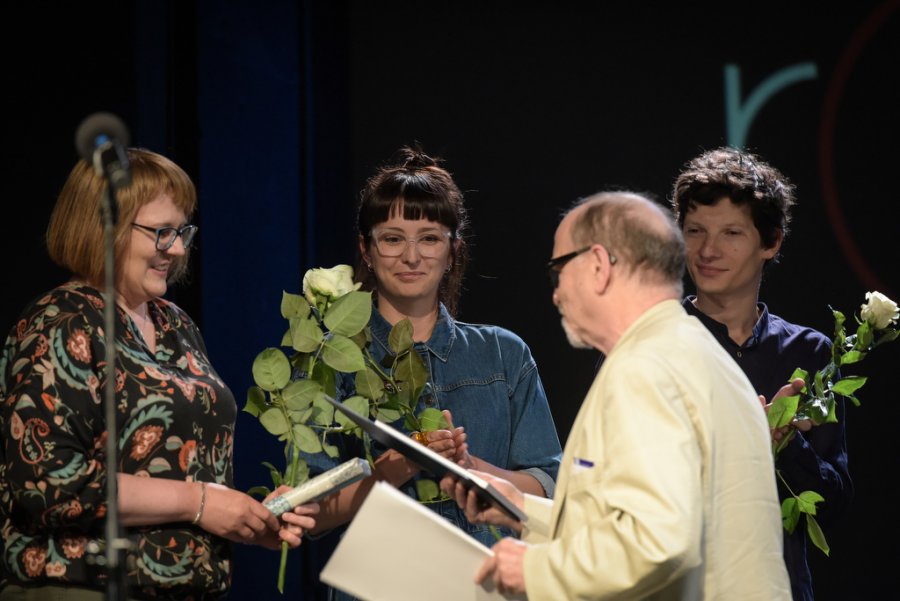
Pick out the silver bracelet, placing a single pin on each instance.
(197, 517)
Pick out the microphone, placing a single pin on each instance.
(101, 140)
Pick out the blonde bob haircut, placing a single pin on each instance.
(75, 232)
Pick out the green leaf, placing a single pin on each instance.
(369, 383)
(816, 535)
(864, 336)
(287, 340)
(807, 501)
(412, 376)
(432, 419)
(300, 363)
(388, 415)
(790, 514)
(271, 370)
(427, 490)
(886, 336)
(849, 385)
(799, 373)
(293, 305)
(325, 376)
(330, 450)
(342, 354)
(300, 394)
(349, 314)
(362, 338)
(256, 401)
(306, 335)
(355, 403)
(262, 491)
(411, 423)
(305, 438)
(323, 413)
(832, 417)
(852, 357)
(782, 411)
(274, 421)
(301, 474)
(400, 338)
(819, 383)
(839, 320)
(274, 474)
(301, 417)
(816, 409)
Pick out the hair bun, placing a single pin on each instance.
(413, 157)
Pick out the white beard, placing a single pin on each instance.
(572, 337)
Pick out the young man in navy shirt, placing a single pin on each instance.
(734, 211)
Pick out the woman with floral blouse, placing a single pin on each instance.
(175, 416)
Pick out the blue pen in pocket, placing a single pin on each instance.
(582, 464)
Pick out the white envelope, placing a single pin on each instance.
(398, 550)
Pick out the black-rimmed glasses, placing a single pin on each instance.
(556, 264)
(166, 236)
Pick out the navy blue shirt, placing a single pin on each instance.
(814, 460)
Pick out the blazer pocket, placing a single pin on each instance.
(583, 477)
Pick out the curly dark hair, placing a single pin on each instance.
(745, 179)
(416, 183)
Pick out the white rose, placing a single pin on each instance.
(879, 310)
(331, 283)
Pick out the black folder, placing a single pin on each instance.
(428, 460)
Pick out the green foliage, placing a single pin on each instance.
(328, 338)
(816, 402)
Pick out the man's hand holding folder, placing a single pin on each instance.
(479, 512)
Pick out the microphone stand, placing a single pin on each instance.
(116, 586)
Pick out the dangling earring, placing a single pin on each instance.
(449, 267)
(369, 265)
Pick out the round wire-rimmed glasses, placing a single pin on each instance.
(393, 244)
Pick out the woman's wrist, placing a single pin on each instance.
(394, 468)
(473, 463)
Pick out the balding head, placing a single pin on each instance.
(617, 255)
(638, 232)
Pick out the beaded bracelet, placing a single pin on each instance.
(197, 517)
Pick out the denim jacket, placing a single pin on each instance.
(485, 375)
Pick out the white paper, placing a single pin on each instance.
(398, 550)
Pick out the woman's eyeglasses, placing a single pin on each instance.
(166, 236)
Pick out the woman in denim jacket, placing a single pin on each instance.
(411, 225)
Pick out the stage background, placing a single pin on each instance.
(280, 110)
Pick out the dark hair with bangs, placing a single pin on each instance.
(415, 184)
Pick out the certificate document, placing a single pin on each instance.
(398, 550)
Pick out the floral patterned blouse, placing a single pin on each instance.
(175, 420)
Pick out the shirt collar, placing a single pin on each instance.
(439, 344)
(721, 330)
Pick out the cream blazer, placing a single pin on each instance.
(667, 486)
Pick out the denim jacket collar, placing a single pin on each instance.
(440, 343)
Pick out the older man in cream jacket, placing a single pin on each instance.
(667, 487)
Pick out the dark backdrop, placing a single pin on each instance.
(280, 110)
